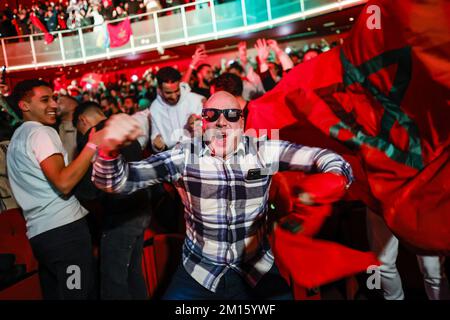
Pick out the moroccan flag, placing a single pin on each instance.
(119, 34)
(384, 100)
(38, 24)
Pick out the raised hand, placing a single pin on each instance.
(120, 130)
(199, 55)
(263, 50)
(159, 143)
(273, 44)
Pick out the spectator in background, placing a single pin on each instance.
(51, 19)
(233, 84)
(67, 132)
(109, 106)
(74, 20)
(129, 105)
(152, 5)
(269, 71)
(295, 57)
(205, 77)
(171, 109)
(310, 54)
(124, 220)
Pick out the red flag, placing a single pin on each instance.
(318, 262)
(384, 95)
(119, 34)
(310, 262)
(38, 24)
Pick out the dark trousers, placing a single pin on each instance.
(66, 264)
(121, 246)
(232, 286)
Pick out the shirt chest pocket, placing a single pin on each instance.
(254, 186)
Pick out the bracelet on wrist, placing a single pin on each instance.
(92, 146)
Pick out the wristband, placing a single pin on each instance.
(92, 146)
(108, 155)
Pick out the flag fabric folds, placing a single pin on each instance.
(119, 34)
(38, 24)
(382, 100)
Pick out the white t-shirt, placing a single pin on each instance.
(44, 207)
(169, 121)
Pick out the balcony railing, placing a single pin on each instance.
(159, 29)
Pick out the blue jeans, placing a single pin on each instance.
(121, 246)
(232, 286)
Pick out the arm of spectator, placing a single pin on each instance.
(263, 53)
(157, 142)
(48, 152)
(198, 56)
(242, 50)
(143, 117)
(286, 62)
(267, 80)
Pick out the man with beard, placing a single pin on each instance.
(205, 76)
(223, 180)
(171, 109)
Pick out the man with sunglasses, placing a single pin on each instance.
(223, 179)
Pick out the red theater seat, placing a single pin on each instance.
(13, 238)
(161, 256)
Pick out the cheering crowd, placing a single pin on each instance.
(90, 167)
(69, 15)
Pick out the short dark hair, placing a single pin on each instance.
(203, 65)
(236, 65)
(230, 83)
(73, 99)
(168, 75)
(110, 100)
(82, 108)
(24, 91)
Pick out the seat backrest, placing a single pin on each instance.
(160, 259)
(13, 238)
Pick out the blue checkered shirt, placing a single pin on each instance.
(225, 209)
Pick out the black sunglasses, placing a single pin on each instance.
(211, 114)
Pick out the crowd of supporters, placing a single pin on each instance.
(72, 14)
(79, 109)
(162, 102)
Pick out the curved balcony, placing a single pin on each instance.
(185, 24)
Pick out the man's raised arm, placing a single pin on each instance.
(112, 174)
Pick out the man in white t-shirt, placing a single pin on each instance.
(42, 182)
(173, 106)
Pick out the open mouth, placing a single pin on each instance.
(220, 138)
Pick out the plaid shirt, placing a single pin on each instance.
(225, 207)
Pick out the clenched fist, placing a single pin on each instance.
(120, 130)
